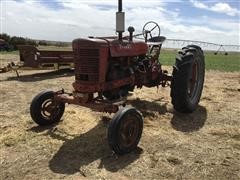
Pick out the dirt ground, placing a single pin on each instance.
(201, 145)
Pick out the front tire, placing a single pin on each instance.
(188, 78)
(44, 110)
(125, 130)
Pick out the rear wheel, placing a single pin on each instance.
(44, 110)
(188, 79)
(125, 130)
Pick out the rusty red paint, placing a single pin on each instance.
(97, 106)
(86, 87)
(193, 79)
(127, 48)
(92, 57)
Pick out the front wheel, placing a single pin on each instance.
(125, 130)
(44, 110)
(188, 78)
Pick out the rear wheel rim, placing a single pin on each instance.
(193, 81)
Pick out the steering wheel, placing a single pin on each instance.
(151, 28)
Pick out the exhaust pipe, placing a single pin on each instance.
(120, 21)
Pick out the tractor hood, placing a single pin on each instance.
(116, 48)
(89, 43)
(127, 48)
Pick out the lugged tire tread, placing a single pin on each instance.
(180, 75)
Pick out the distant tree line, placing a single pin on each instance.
(11, 43)
(14, 41)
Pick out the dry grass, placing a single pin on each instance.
(201, 145)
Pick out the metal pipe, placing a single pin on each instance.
(120, 36)
(120, 10)
(119, 5)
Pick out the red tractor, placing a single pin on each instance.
(108, 68)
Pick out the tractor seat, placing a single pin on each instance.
(157, 39)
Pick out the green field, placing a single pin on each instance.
(221, 62)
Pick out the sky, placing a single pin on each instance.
(216, 21)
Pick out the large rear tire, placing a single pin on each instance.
(44, 110)
(188, 78)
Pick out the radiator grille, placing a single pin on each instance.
(87, 65)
